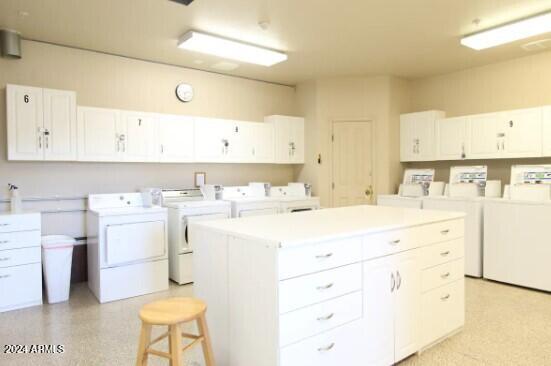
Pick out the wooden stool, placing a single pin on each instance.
(173, 312)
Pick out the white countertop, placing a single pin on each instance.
(327, 224)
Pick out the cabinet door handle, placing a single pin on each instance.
(445, 275)
(445, 297)
(497, 145)
(392, 282)
(503, 145)
(325, 287)
(399, 277)
(326, 317)
(323, 256)
(394, 242)
(443, 254)
(4, 224)
(445, 232)
(4, 259)
(162, 149)
(40, 141)
(4, 242)
(4, 276)
(326, 348)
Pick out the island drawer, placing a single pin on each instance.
(306, 322)
(340, 346)
(442, 275)
(390, 242)
(438, 232)
(16, 257)
(440, 253)
(302, 291)
(300, 260)
(19, 239)
(443, 311)
(19, 222)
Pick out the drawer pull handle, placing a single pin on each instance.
(4, 276)
(322, 256)
(443, 254)
(4, 242)
(326, 348)
(399, 277)
(325, 287)
(394, 242)
(444, 232)
(445, 275)
(4, 259)
(444, 298)
(327, 317)
(4, 224)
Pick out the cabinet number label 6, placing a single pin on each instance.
(26, 98)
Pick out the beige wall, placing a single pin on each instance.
(115, 82)
(520, 83)
(378, 99)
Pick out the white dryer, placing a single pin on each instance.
(127, 246)
(251, 200)
(186, 206)
(295, 197)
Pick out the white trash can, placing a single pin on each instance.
(57, 256)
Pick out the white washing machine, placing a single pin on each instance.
(414, 187)
(186, 206)
(295, 197)
(251, 200)
(127, 246)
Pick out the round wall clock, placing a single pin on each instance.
(184, 92)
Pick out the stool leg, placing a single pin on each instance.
(207, 347)
(175, 340)
(145, 336)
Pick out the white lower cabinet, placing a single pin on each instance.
(391, 307)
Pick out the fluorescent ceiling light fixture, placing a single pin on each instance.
(233, 50)
(509, 33)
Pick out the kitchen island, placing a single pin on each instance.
(362, 285)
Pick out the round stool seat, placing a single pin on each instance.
(172, 311)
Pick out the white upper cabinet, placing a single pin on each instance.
(417, 135)
(98, 134)
(240, 137)
(546, 148)
(60, 124)
(451, 138)
(41, 123)
(175, 138)
(137, 135)
(212, 142)
(522, 129)
(289, 138)
(263, 148)
(485, 136)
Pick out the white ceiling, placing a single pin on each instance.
(408, 38)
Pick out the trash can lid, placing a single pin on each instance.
(57, 241)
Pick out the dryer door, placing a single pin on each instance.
(185, 245)
(135, 242)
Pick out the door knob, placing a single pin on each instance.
(369, 191)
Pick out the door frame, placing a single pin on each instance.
(332, 143)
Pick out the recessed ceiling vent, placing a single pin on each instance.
(539, 45)
(184, 2)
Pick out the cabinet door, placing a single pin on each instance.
(98, 136)
(263, 143)
(296, 140)
(282, 137)
(546, 131)
(379, 296)
(451, 136)
(25, 123)
(137, 134)
(240, 139)
(424, 137)
(407, 143)
(522, 133)
(485, 136)
(407, 311)
(175, 138)
(211, 140)
(60, 125)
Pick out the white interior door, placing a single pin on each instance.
(352, 163)
(25, 123)
(176, 140)
(379, 296)
(98, 134)
(127, 243)
(137, 132)
(60, 125)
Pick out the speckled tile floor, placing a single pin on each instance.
(505, 325)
